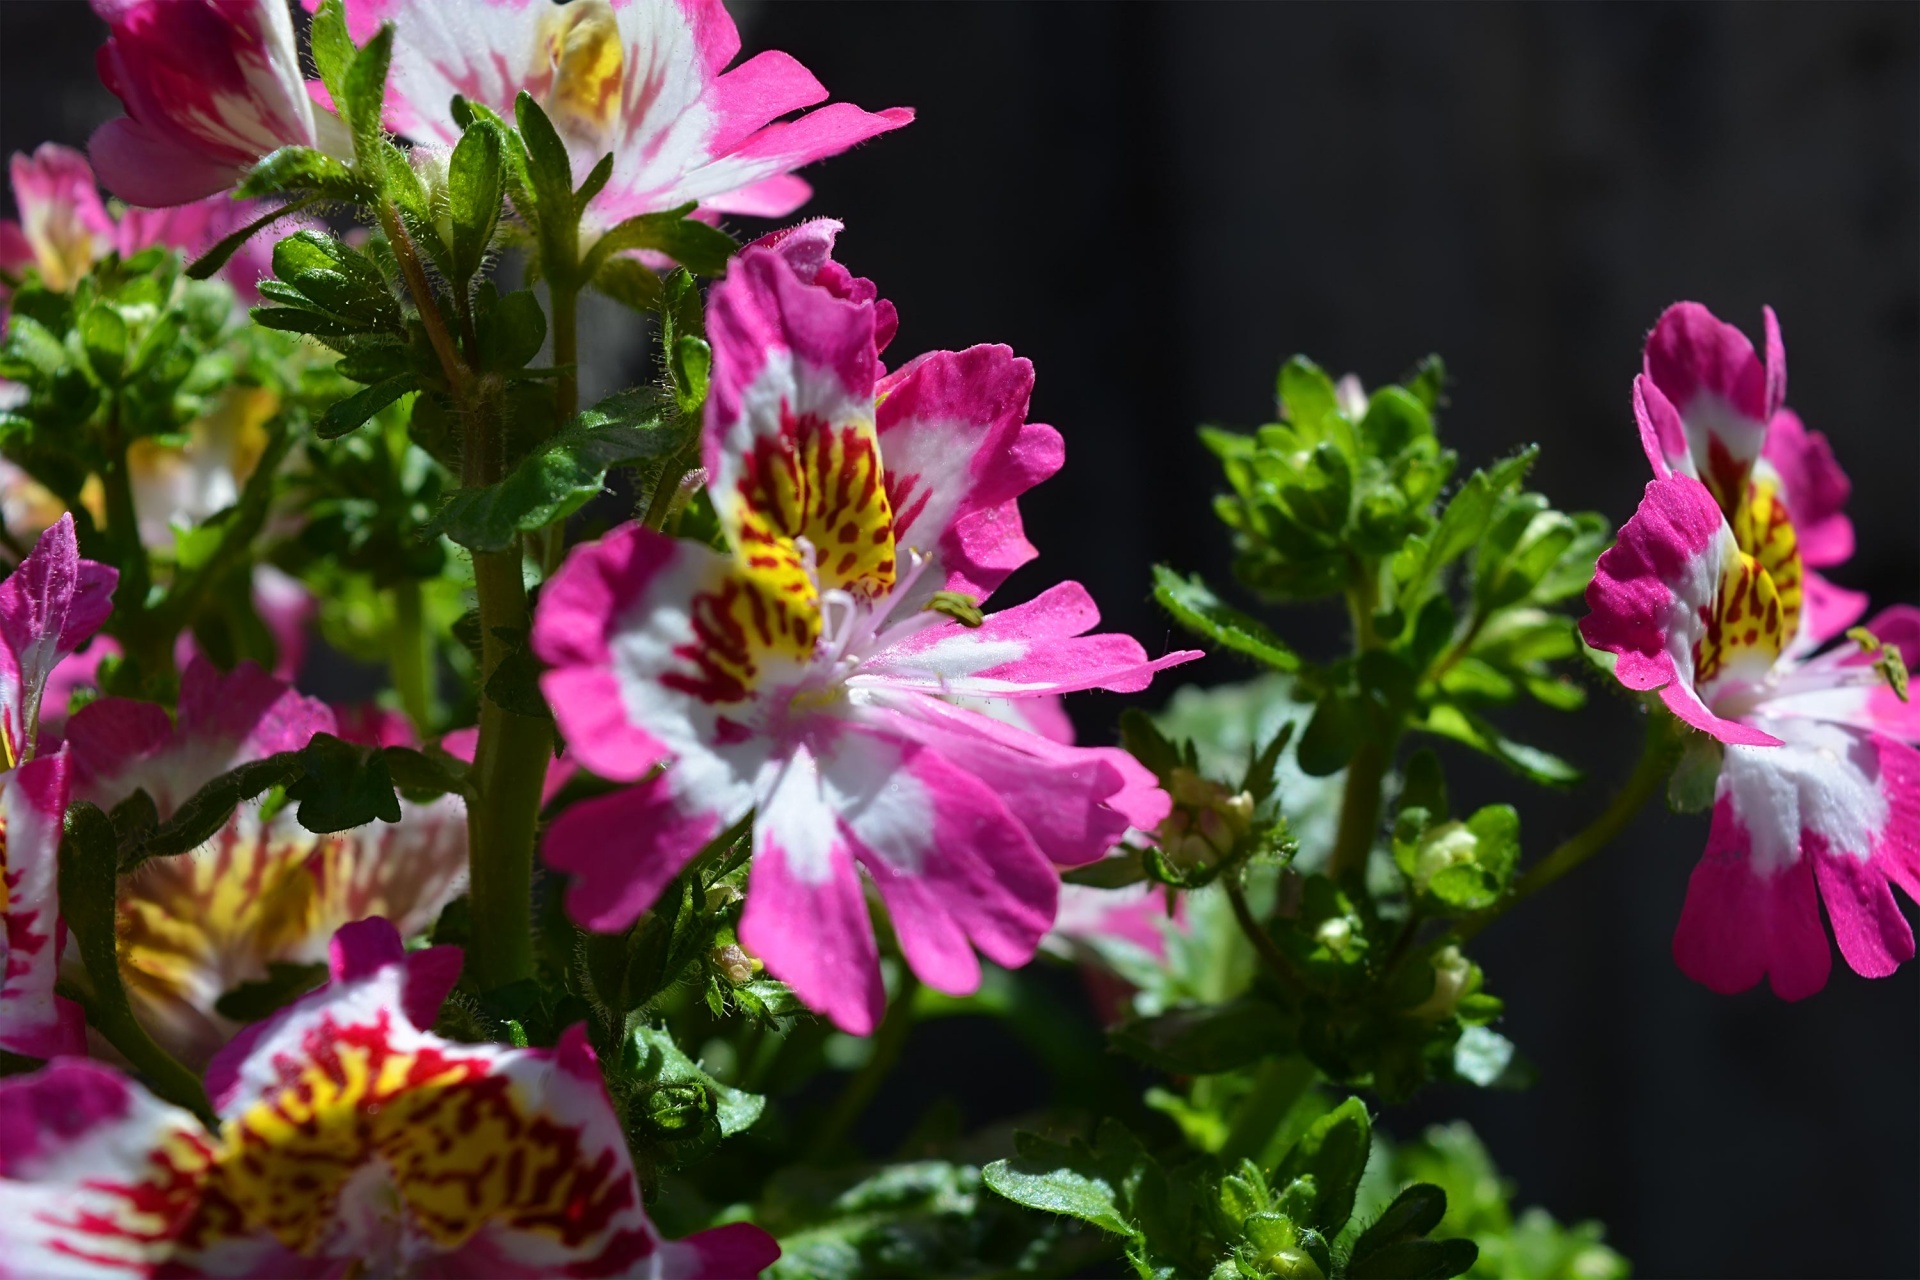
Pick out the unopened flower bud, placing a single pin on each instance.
(1336, 935)
(735, 965)
(1207, 820)
(1452, 972)
(673, 1110)
(1448, 845)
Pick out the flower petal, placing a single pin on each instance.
(953, 866)
(1738, 926)
(1650, 591)
(1817, 489)
(622, 849)
(1708, 371)
(806, 915)
(96, 1173)
(34, 1022)
(959, 452)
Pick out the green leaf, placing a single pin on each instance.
(1307, 395)
(1203, 1039)
(511, 331)
(332, 47)
(514, 685)
(305, 172)
(1338, 727)
(1414, 1213)
(1395, 419)
(364, 94)
(557, 480)
(595, 183)
(701, 249)
(692, 363)
(342, 785)
(203, 267)
(1044, 1176)
(424, 774)
(1333, 1152)
(1450, 721)
(654, 1058)
(1195, 607)
(629, 282)
(199, 818)
(474, 187)
(549, 171)
(1116, 872)
(1417, 1260)
(349, 414)
(103, 333)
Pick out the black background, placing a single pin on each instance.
(1158, 204)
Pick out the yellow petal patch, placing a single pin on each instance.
(589, 66)
(1745, 625)
(812, 508)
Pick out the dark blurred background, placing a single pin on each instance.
(1159, 204)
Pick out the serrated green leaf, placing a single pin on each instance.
(475, 183)
(342, 785)
(1204, 1039)
(557, 480)
(103, 334)
(1194, 606)
(363, 95)
(512, 331)
(1450, 721)
(332, 47)
(1042, 1180)
(349, 414)
(1333, 1152)
(695, 245)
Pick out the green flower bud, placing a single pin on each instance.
(1452, 973)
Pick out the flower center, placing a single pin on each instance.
(1755, 612)
(589, 65)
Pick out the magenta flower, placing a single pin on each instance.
(1818, 796)
(209, 86)
(1709, 408)
(262, 892)
(646, 80)
(354, 1141)
(49, 606)
(64, 228)
(805, 678)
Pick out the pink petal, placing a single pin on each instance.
(622, 849)
(143, 167)
(34, 1021)
(806, 915)
(1736, 926)
(755, 93)
(736, 1250)
(1873, 935)
(1816, 489)
(1659, 574)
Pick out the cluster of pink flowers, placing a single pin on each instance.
(1710, 597)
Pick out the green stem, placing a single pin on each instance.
(1644, 783)
(887, 1043)
(423, 297)
(411, 659)
(666, 488)
(163, 1073)
(1359, 812)
(565, 301)
(1270, 955)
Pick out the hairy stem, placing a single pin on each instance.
(887, 1043)
(423, 299)
(1270, 955)
(565, 301)
(1656, 756)
(169, 1079)
(411, 660)
(1359, 812)
(509, 768)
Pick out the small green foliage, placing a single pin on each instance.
(1195, 607)
(677, 1113)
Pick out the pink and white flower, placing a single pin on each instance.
(806, 678)
(209, 87)
(65, 228)
(1818, 796)
(646, 80)
(353, 1140)
(49, 606)
(1710, 408)
(262, 892)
